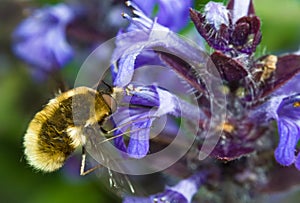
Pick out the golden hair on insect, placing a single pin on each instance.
(57, 130)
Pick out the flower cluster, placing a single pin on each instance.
(257, 90)
(239, 97)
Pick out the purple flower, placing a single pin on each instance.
(283, 106)
(288, 121)
(149, 35)
(171, 13)
(277, 99)
(132, 49)
(183, 192)
(40, 39)
(153, 102)
(232, 29)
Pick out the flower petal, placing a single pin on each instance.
(289, 136)
(169, 196)
(128, 48)
(144, 95)
(171, 13)
(138, 146)
(240, 8)
(132, 199)
(189, 187)
(183, 192)
(290, 108)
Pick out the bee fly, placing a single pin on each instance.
(58, 129)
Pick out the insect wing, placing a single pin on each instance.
(105, 154)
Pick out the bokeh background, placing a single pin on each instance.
(21, 97)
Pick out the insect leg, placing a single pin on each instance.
(84, 172)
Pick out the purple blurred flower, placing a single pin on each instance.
(172, 13)
(183, 192)
(40, 40)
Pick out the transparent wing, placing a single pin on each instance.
(105, 154)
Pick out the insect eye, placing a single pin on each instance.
(110, 101)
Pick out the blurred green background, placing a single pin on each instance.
(21, 97)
